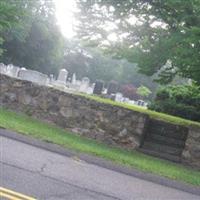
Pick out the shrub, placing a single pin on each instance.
(181, 100)
(129, 91)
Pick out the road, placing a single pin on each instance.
(50, 176)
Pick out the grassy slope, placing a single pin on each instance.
(152, 114)
(44, 131)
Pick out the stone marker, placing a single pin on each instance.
(34, 76)
(12, 70)
(84, 84)
(62, 77)
(112, 87)
(3, 68)
(74, 79)
(119, 97)
(140, 103)
(98, 87)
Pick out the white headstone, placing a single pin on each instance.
(84, 84)
(62, 77)
(33, 76)
(119, 97)
(74, 79)
(51, 79)
(12, 70)
(3, 68)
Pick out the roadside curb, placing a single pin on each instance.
(100, 162)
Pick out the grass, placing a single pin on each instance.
(152, 114)
(46, 132)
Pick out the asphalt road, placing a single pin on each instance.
(50, 176)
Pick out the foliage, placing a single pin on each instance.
(149, 33)
(129, 91)
(46, 132)
(9, 17)
(35, 41)
(90, 62)
(144, 91)
(182, 101)
(32, 39)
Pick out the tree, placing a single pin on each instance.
(149, 32)
(91, 62)
(37, 43)
(143, 91)
(10, 13)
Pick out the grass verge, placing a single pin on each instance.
(151, 113)
(43, 131)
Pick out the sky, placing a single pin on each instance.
(65, 18)
(64, 14)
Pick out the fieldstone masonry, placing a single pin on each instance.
(191, 152)
(109, 124)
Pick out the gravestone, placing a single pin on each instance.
(3, 68)
(140, 103)
(34, 76)
(74, 79)
(112, 87)
(12, 70)
(98, 87)
(84, 84)
(51, 79)
(119, 97)
(132, 102)
(89, 90)
(62, 77)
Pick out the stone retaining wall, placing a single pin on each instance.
(109, 124)
(191, 152)
(103, 122)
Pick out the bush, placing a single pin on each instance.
(181, 100)
(130, 92)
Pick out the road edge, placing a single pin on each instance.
(100, 162)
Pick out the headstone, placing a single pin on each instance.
(74, 79)
(12, 70)
(51, 78)
(119, 97)
(126, 100)
(84, 84)
(89, 90)
(62, 77)
(33, 76)
(140, 103)
(3, 68)
(112, 87)
(112, 96)
(132, 102)
(98, 87)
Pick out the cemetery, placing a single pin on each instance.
(69, 84)
(59, 102)
(99, 99)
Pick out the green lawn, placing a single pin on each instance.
(152, 114)
(43, 131)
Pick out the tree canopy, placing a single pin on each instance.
(30, 35)
(91, 62)
(148, 32)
